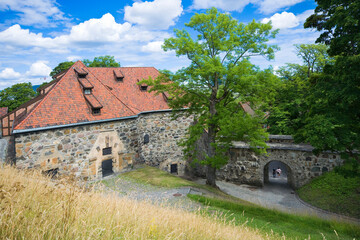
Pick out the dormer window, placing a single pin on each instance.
(80, 72)
(143, 88)
(87, 91)
(96, 111)
(119, 76)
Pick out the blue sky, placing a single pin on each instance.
(36, 35)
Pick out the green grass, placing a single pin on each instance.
(290, 225)
(335, 193)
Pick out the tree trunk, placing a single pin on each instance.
(211, 176)
(210, 171)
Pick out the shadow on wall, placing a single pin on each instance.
(277, 172)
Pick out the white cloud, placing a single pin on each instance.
(39, 69)
(104, 29)
(283, 20)
(9, 73)
(153, 47)
(227, 5)
(40, 13)
(73, 58)
(159, 14)
(16, 36)
(303, 16)
(271, 6)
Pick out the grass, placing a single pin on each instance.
(335, 193)
(281, 224)
(35, 207)
(289, 225)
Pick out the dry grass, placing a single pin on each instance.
(33, 207)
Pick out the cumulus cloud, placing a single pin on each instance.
(39, 13)
(153, 47)
(9, 73)
(39, 69)
(159, 14)
(271, 6)
(227, 5)
(104, 29)
(283, 20)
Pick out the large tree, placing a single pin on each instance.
(102, 61)
(290, 102)
(61, 67)
(12, 97)
(339, 22)
(218, 78)
(332, 121)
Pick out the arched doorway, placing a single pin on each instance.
(271, 175)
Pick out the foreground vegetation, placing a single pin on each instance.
(34, 207)
(244, 213)
(290, 226)
(334, 192)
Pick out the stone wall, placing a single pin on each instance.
(80, 150)
(302, 165)
(163, 135)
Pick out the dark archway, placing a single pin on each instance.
(285, 178)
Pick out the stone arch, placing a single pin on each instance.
(286, 169)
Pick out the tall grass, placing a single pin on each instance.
(34, 207)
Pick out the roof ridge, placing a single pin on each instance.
(107, 89)
(45, 97)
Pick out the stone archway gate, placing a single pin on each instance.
(246, 167)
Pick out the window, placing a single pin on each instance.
(82, 75)
(96, 111)
(119, 79)
(87, 90)
(174, 168)
(107, 151)
(143, 88)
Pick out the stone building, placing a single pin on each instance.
(90, 122)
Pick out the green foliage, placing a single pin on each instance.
(335, 192)
(12, 97)
(102, 61)
(61, 67)
(218, 78)
(339, 22)
(289, 106)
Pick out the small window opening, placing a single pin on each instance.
(174, 168)
(143, 88)
(96, 111)
(107, 151)
(52, 172)
(87, 91)
(80, 75)
(119, 79)
(146, 139)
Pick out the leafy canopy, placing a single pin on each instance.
(219, 77)
(61, 67)
(289, 105)
(102, 61)
(14, 96)
(339, 21)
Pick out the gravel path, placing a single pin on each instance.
(158, 195)
(276, 195)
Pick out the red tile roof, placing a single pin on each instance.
(3, 111)
(66, 103)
